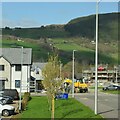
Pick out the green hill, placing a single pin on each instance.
(80, 27)
(51, 31)
(77, 34)
(85, 26)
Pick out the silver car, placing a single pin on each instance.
(111, 87)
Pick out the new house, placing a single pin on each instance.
(36, 76)
(15, 68)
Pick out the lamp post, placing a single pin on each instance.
(21, 79)
(96, 61)
(73, 72)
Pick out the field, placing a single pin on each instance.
(64, 47)
(39, 53)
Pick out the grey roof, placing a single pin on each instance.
(38, 65)
(14, 55)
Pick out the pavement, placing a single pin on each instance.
(108, 106)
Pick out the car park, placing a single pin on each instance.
(111, 87)
(6, 99)
(6, 110)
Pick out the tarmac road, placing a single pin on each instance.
(108, 104)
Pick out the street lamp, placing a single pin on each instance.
(21, 78)
(96, 61)
(73, 72)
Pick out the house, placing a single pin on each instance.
(15, 68)
(36, 76)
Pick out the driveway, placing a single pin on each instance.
(108, 106)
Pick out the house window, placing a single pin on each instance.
(2, 68)
(17, 67)
(17, 83)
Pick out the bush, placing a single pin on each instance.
(26, 98)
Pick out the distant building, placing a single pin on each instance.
(13, 68)
(104, 74)
(36, 76)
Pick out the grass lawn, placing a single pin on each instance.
(100, 87)
(111, 91)
(71, 108)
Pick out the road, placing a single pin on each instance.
(108, 104)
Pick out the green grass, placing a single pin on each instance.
(71, 46)
(111, 91)
(100, 87)
(65, 47)
(39, 53)
(71, 108)
(85, 51)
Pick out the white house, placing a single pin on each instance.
(36, 76)
(15, 68)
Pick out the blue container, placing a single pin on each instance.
(65, 96)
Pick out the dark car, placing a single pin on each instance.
(11, 92)
(6, 99)
(112, 87)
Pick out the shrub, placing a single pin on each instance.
(26, 98)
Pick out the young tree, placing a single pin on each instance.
(52, 81)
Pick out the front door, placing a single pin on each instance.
(2, 84)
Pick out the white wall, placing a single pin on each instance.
(16, 75)
(6, 72)
(37, 76)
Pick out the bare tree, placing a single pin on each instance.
(52, 81)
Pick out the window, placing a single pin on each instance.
(17, 67)
(1, 67)
(17, 83)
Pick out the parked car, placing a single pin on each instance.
(11, 92)
(6, 99)
(111, 87)
(6, 110)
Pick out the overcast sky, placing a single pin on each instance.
(35, 14)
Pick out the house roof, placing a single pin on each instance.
(14, 55)
(38, 65)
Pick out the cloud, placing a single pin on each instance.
(21, 23)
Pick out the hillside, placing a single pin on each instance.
(85, 53)
(80, 27)
(85, 26)
(78, 34)
(51, 31)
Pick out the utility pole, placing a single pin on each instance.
(21, 79)
(73, 72)
(115, 69)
